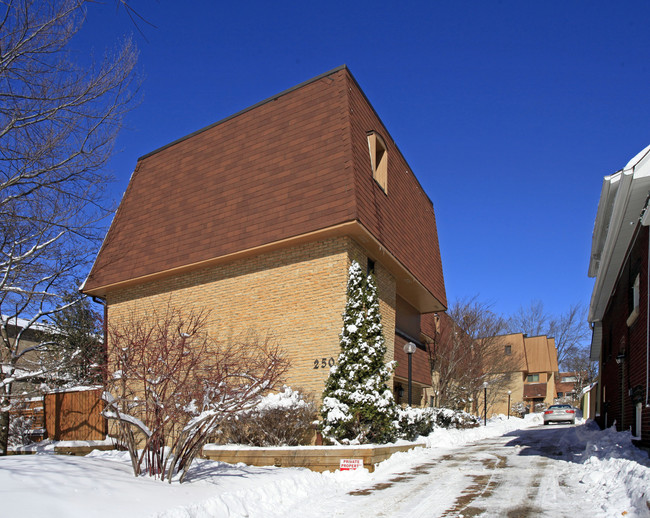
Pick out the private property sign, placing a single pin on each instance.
(350, 464)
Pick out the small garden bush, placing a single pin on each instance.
(280, 419)
(519, 409)
(412, 422)
(459, 419)
(20, 428)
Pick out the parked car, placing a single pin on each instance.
(560, 414)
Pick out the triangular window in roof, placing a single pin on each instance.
(378, 159)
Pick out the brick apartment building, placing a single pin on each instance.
(618, 309)
(257, 218)
(566, 386)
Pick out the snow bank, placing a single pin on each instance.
(265, 499)
(49, 446)
(497, 425)
(614, 469)
(605, 463)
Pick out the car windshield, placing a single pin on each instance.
(559, 406)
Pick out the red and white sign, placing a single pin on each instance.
(350, 464)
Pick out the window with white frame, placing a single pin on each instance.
(638, 417)
(635, 300)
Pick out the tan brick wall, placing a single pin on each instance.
(516, 385)
(500, 405)
(295, 294)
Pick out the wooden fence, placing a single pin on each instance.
(75, 415)
(31, 410)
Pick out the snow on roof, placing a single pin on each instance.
(24, 323)
(637, 158)
(622, 201)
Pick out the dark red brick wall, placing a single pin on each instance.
(403, 220)
(618, 338)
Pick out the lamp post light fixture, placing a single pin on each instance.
(485, 384)
(409, 348)
(509, 392)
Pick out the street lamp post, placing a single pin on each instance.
(409, 348)
(509, 392)
(485, 384)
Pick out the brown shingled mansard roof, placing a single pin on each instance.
(295, 166)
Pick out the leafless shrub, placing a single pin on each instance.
(20, 431)
(283, 419)
(519, 409)
(171, 385)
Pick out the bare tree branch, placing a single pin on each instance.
(468, 353)
(58, 124)
(570, 329)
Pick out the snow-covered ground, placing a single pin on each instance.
(603, 466)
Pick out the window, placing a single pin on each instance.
(370, 267)
(532, 378)
(408, 322)
(508, 350)
(638, 418)
(378, 159)
(635, 301)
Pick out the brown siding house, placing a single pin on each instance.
(533, 381)
(258, 216)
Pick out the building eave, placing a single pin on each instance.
(621, 205)
(408, 286)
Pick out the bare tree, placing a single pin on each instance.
(570, 329)
(468, 353)
(585, 371)
(58, 124)
(170, 385)
(531, 320)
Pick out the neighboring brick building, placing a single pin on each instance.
(257, 218)
(619, 303)
(533, 382)
(566, 387)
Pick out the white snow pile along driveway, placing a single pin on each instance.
(612, 468)
(102, 485)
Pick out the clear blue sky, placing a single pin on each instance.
(509, 113)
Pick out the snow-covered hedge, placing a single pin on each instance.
(279, 419)
(19, 431)
(412, 422)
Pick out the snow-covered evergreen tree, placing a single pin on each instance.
(358, 406)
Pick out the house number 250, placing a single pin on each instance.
(323, 362)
